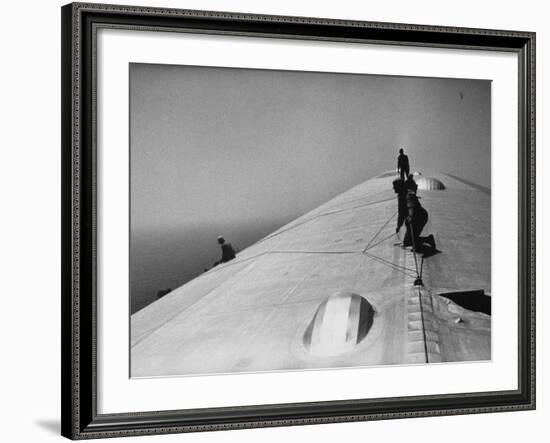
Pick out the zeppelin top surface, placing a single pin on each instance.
(333, 288)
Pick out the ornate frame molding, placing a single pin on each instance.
(79, 391)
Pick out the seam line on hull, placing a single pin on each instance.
(145, 336)
(323, 214)
(236, 262)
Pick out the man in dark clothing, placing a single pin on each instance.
(410, 183)
(400, 189)
(403, 165)
(415, 222)
(228, 253)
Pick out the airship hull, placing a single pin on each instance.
(332, 289)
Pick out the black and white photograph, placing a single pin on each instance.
(242, 221)
(297, 220)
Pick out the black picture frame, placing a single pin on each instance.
(79, 175)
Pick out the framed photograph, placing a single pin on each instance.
(273, 221)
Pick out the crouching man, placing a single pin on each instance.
(228, 253)
(415, 222)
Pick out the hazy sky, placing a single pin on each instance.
(216, 148)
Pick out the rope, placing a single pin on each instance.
(335, 205)
(311, 252)
(323, 214)
(378, 242)
(391, 265)
(379, 231)
(399, 268)
(380, 260)
(418, 275)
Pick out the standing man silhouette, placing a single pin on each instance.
(402, 165)
(400, 188)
